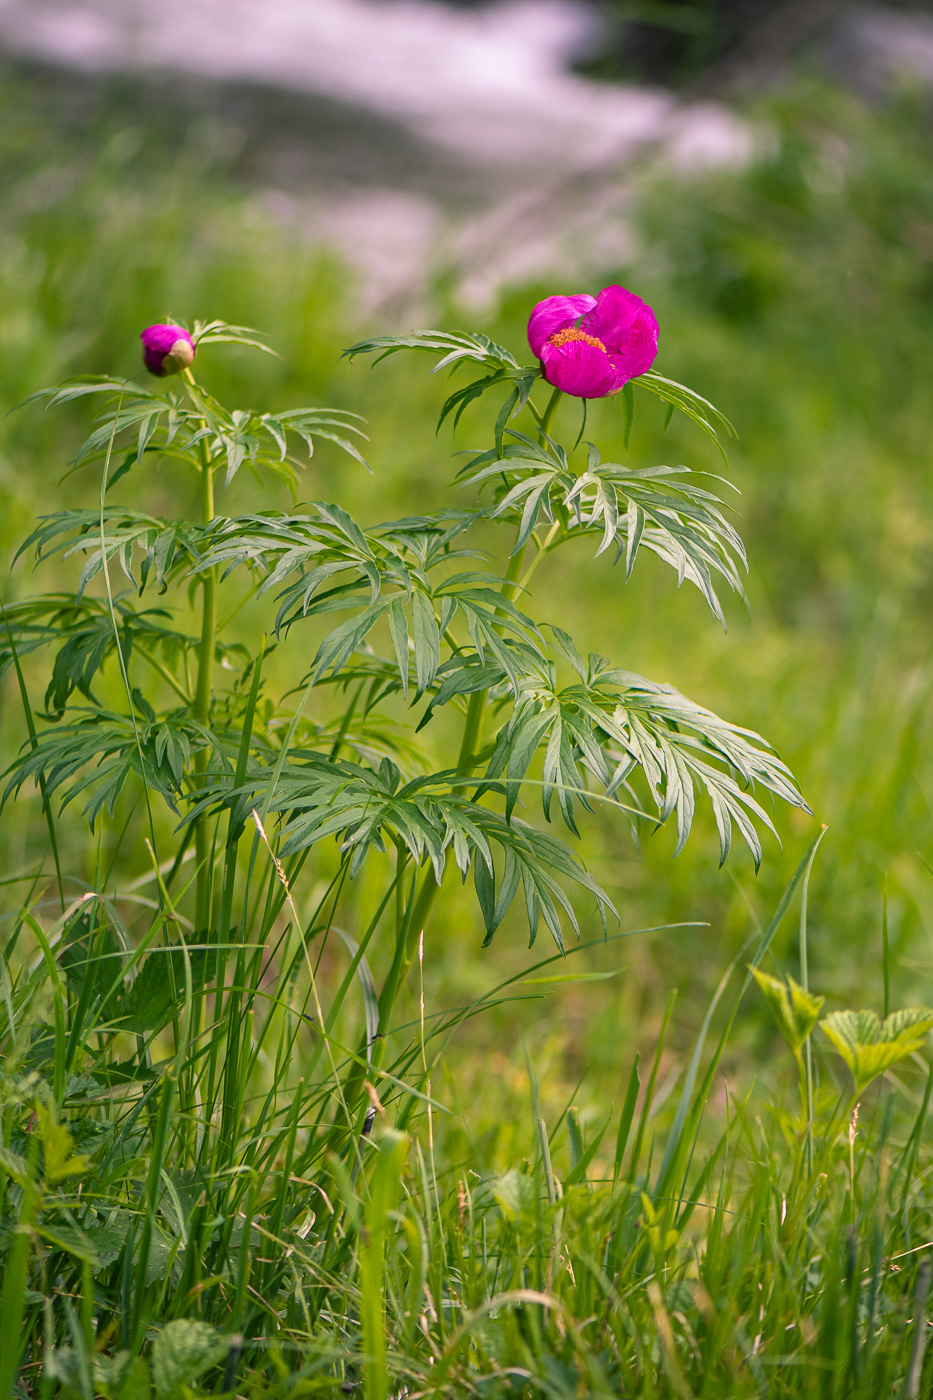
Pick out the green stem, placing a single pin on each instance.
(234, 996)
(472, 732)
(15, 1280)
(419, 907)
(202, 697)
(548, 413)
(805, 983)
(511, 587)
(471, 742)
(543, 549)
(152, 1194)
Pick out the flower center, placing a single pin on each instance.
(571, 333)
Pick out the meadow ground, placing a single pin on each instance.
(611, 1194)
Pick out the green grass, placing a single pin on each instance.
(799, 297)
(656, 1252)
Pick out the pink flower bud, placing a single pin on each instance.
(167, 349)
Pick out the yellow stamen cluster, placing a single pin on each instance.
(571, 333)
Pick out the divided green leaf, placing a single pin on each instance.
(795, 1010)
(869, 1045)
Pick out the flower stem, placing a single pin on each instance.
(476, 710)
(202, 696)
(543, 549)
(548, 413)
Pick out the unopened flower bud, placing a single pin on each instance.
(167, 349)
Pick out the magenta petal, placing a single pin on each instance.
(616, 316)
(162, 337)
(637, 352)
(579, 369)
(158, 344)
(153, 360)
(555, 314)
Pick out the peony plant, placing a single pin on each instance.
(432, 613)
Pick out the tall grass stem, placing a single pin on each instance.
(805, 983)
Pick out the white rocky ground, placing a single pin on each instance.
(523, 162)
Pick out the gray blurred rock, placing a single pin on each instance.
(417, 139)
(876, 49)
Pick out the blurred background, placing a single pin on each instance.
(761, 171)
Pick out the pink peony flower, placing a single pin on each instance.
(167, 349)
(591, 346)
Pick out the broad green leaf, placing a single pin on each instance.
(15, 1166)
(515, 1194)
(869, 1047)
(71, 1238)
(795, 1010)
(122, 1376)
(182, 1351)
(159, 986)
(912, 1021)
(60, 1158)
